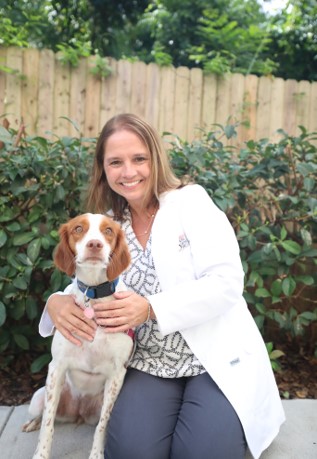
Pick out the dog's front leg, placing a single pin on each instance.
(53, 388)
(111, 392)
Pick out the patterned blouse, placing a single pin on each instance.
(165, 356)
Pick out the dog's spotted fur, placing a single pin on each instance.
(83, 382)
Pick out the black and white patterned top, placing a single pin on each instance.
(165, 356)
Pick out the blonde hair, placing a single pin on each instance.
(101, 198)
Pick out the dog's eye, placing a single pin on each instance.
(78, 229)
(108, 231)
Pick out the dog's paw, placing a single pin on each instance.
(33, 424)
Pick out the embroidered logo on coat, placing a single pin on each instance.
(183, 242)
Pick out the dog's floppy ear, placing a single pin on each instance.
(120, 257)
(64, 258)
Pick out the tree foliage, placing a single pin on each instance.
(294, 41)
(218, 35)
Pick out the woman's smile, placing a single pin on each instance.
(130, 184)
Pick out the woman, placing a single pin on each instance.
(200, 384)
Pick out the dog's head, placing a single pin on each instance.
(92, 241)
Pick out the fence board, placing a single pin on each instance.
(152, 94)
(3, 62)
(276, 112)
(195, 103)
(264, 108)
(139, 83)
(303, 101)
(248, 131)
(123, 89)
(223, 100)
(177, 100)
(236, 103)
(209, 101)
(108, 95)
(13, 99)
(181, 101)
(92, 109)
(29, 105)
(61, 126)
(289, 119)
(167, 94)
(78, 95)
(46, 92)
(312, 124)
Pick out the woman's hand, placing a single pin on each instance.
(69, 319)
(127, 310)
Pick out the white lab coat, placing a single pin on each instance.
(196, 257)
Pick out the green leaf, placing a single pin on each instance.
(3, 237)
(308, 315)
(291, 246)
(276, 354)
(306, 236)
(60, 194)
(230, 131)
(262, 293)
(7, 215)
(18, 310)
(306, 280)
(275, 365)
(260, 308)
(40, 363)
(46, 243)
(56, 280)
(20, 283)
(259, 320)
(3, 313)
(279, 318)
(283, 233)
(21, 341)
(288, 286)
(31, 308)
(309, 184)
(21, 239)
(276, 287)
(33, 249)
(14, 226)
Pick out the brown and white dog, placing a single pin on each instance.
(83, 382)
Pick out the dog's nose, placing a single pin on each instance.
(94, 244)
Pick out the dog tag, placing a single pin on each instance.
(89, 312)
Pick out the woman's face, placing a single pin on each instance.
(127, 164)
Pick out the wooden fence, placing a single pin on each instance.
(35, 86)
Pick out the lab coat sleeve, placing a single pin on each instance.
(216, 284)
(46, 326)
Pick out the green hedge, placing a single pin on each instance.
(268, 191)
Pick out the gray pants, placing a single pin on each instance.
(181, 418)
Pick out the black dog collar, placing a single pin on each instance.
(98, 291)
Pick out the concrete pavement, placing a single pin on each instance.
(297, 438)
